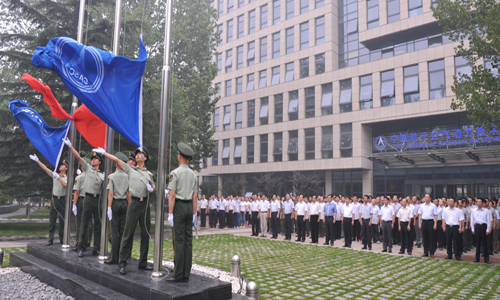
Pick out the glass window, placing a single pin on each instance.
(304, 67)
(215, 156)
(276, 11)
(241, 26)
(365, 92)
(239, 85)
(435, 40)
(326, 99)
(263, 16)
(411, 86)
(462, 67)
(278, 108)
(387, 96)
(415, 8)
(293, 145)
(229, 30)
(264, 111)
(263, 79)
(250, 149)
(346, 140)
(220, 28)
(276, 76)
(320, 63)
(230, 6)
(309, 141)
(263, 148)
(372, 14)
(387, 52)
(304, 6)
(229, 60)
(293, 105)
(263, 49)
(289, 9)
(237, 151)
(289, 40)
(320, 3)
(226, 122)
(320, 30)
(216, 119)
(326, 142)
(250, 82)
(251, 113)
(304, 35)
(437, 82)
(310, 101)
(219, 64)
(239, 57)
(221, 8)
(276, 45)
(238, 121)
(219, 89)
(251, 21)
(392, 11)
(241, 3)
(251, 54)
(289, 72)
(225, 152)
(278, 147)
(345, 99)
(228, 87)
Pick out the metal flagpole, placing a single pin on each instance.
(163, 146)
(74, 105)
(110, 139)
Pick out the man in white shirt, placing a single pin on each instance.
(428, 224)
(338, 219)
(366, 213)
(255, 209)
(356, 227)
(348, 222)
(416, 207)
(315, 208)
(300, 211)
(221, 209)
(264, 207)
(453, 224)
(387, 220)
(213, 206)
(275, 207)
(203, 210)
(405, 217)
(481, 227)
(322, 202)
(288, 208)
(375, 220)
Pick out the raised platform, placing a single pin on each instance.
(74, 276)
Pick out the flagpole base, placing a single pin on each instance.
(157, 275)
(65, 247)
(102, 257)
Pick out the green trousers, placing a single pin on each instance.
(183, 239)
(57, 208)
(138, 211)
(78, 220)
(90, 209)
(119, 210)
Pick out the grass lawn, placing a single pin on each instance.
(31, 217)
(285, 270)
(11, 229)
(7, 254)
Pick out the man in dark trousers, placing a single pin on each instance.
(453, 224)
(428, 223)
(481, 228)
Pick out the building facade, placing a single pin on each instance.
(357, 92)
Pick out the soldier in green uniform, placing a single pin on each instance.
(182, 204)
(91, 203)
(117, 207)
(78, 196)
(58, 203)
(141, 183)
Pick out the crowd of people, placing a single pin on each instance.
(456, 225)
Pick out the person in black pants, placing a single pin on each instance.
(481, 228)
(300, 211)
(255, 223)
(428, 224)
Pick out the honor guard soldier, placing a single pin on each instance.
(78, 196)
(182, 204)
(117, 207)
(140, 185)
(91, 204)
(58, 203)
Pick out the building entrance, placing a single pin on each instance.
(450, 188)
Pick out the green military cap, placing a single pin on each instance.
(144, 150)
(185, 150)
(121, 156)
(64, 162)
(96, 155)
(131, 156)
(86, 159)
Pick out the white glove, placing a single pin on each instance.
(74, 210)
(78, 172)
(110, 213)
(33, 157)
(55, 175)
(67, 141)
(171, 219)
(99, 150)
(194, 219)
(150, 188)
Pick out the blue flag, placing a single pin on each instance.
(46, 139)
(109, 85)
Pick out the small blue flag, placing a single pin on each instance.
(109, 85)
(46, 139)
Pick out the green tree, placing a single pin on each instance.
(234, 186)
(268, 184)
(209, 188)
(304, 183)
(475, 24)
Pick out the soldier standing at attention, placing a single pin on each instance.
(91, 203)
(117, 207)
(58, 203)
(140, 185)
(79, 195)
(182, 205)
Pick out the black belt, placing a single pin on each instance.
(405, 221)
(181, 200)
(141, 199)
(92, 195)
(59, 197)
(387, 221)
(119, 199)
(81, 197)
(453, 225)
(348, 218)
(428, 220)
(479, 224)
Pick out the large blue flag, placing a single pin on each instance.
(46, 139)
(109, 85)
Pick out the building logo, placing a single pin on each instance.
(380, 143)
